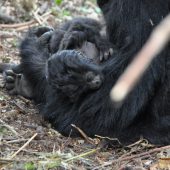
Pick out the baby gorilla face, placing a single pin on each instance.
(71, 72)
(93, 80)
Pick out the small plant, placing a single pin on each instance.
(58, 2)
(30, 166)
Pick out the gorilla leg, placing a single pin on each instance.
(16, 82)
(34, 55)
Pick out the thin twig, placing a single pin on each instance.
(20, 149)
(25, 27)
(132, 157)
(38, 19)
(82, 155)
(83, 134)
(7, 160)
(12, 147)
(17, 25)
(16, 141)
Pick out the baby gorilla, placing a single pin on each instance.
(90, 47)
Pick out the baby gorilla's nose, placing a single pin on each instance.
(96, 82)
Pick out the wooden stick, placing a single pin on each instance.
(83, 134)
(134, 71)
(17, 25)
(20, 149)
(38, 19)
(26, 27)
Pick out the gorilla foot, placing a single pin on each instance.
(10, 79)
(16, 84)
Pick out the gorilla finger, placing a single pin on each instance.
(17, 69)
(111, 51)
(41, 30)
(10, 79)
(10, 73)
(48, 28)
(18, 76)
(69, 42)
(13, 92)
(45, 38)
(106, 55)
(64, 45)
(101, 56)
(9, 86)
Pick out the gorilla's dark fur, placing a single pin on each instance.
(88, 39)
(146, 111)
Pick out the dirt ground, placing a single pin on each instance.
(27, 142)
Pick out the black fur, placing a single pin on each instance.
(82, 34)
(146, 111)
(41, 60)
(74, 33)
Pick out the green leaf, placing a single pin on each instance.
(58, 2)
(30, 166)
(66, 13)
